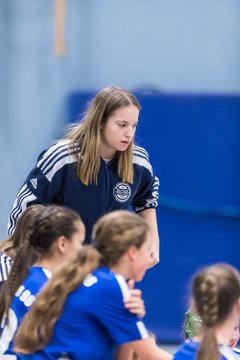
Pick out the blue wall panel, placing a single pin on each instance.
(193, 142)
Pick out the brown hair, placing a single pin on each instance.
(48, 223)
(86, 135)
(11, 245)
(215, 291)
(113, 234)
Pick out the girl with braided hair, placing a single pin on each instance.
(80, 314)
(193, 324)
(216, 303)
(55, 234)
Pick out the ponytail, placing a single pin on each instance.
(36, 329)
(209, 348)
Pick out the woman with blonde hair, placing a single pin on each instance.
(96, 168)
(80, 314)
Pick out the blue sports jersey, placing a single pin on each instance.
(54, 180)
(94, 321)
(237, 352)
(188, 350)
(21, 303)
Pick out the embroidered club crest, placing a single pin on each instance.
(122, 192)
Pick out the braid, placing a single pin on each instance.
(207, 305)
(23, 255)
(26, 256)
(207, 293)
(40, 321)
(215, 290)
(14, 274)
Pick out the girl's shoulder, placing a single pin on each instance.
(140, 151)
(58, 149)
(228, 353)
(237, 352)
(56, 157)
(107, 282)
(186, 350)
(141, 158)
(36, 277)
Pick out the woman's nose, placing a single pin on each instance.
(130, 131)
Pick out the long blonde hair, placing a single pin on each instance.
(215, 291)
(113, 234)
(86, 136)
(40, 320)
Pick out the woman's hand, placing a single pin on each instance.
(135, 303)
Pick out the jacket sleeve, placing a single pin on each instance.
(147, 194)
(42, 183)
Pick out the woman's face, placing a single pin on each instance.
(142, 259)
(118, 131)
(73, 245)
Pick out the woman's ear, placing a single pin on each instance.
(132, 252)
(61, 244)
